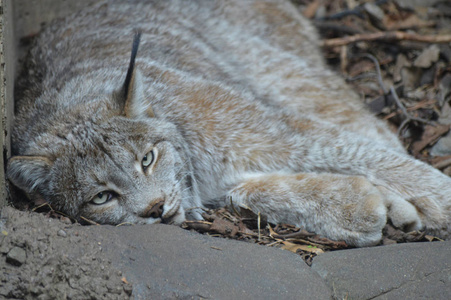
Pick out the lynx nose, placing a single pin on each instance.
(156, 211)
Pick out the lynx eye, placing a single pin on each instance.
(102, 198)
(148, 159)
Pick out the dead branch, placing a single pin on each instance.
(387, 36)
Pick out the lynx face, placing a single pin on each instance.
(110, 177)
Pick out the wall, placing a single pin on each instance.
(7, 72)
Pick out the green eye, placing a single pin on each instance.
(101, 198)
(147, 159)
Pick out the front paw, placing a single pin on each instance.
(401, 213)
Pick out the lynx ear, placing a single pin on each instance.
(136, 105)
(29, 173)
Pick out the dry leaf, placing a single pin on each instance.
(272, 233)
(427, 57)
(430, 135)
(224, 227)
(295, 247)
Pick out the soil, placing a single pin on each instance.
(50, 258)
(46, 258)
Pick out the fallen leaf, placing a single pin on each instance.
(272, 233)
(386, 241)
(410, 77)
(295, 247)
(375, 13)
(430, 135)
(432, 238)
(429, 56)
(401, 62)
(224, 227)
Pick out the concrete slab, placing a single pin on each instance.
(403, 271)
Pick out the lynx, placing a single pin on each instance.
(224, 103)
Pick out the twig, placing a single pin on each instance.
(258, 225)
(378, 70)
(409, 118)
(124, 223)
(387, 36)
(295, 235)
(330, 26)
(274, 243)
(89, 221)
(45, 204)
(417, 106)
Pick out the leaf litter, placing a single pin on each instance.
(247, 226)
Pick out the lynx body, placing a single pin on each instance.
(227, 100)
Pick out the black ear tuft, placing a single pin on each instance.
(131, 66)
(132, 96)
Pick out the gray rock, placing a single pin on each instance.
(16, 256)
(403, 271)
(163, 261)
(62, 233)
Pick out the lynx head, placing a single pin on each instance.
(128, 166)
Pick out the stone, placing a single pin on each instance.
(16, 256)
(402, 271)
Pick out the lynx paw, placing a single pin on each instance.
(339, 207)
(402, 214)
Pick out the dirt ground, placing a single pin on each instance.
(396, 54)
(40, 260)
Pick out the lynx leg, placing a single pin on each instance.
(337, 206)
